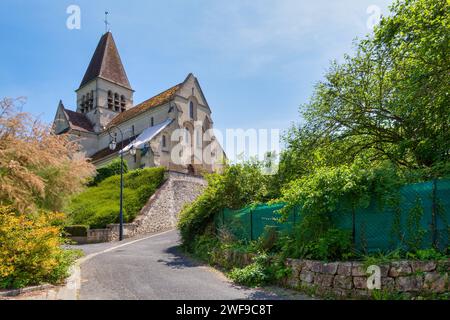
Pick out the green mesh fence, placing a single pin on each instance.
(250, 223)
(419, 220)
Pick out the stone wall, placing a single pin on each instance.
(98, 235)
(349, 279)
(161, 211)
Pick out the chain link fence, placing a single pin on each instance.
(419, 220)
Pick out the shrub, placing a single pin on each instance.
(76, 230)
(38, 169)
(334, 244)
(252, 275)
(98, 206)
(268, 239)
(204, 246)
(265, 269)
(30, 249)
(111, 169)
(426, 254)
(239, 185)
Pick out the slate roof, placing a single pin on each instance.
(106, 63)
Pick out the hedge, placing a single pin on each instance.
(76, 230)
(111, 169)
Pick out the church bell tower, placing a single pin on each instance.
(105, 90)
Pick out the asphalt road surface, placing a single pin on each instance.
(153, 268)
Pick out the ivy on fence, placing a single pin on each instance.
(417, 220)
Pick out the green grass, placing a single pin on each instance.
(98, 206)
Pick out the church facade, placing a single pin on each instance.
(173, 129)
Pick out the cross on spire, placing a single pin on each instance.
(106, 21)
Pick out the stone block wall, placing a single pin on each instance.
(349, 279)
(98, 235)
(94, 236)
(161, 211)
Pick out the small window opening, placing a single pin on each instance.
(191, 110)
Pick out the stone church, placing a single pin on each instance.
(173, 129)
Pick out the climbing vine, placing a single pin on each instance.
(415, 233)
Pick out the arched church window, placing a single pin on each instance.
(191, 110)
(90, 100)
(83, 103)
(164, 142)
(110, 100)
(116, 102)
(152, 122)
(122, 103)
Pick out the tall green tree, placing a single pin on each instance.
(390, 100)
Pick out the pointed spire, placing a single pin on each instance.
(106, 63)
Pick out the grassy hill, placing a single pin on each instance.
(98, 205)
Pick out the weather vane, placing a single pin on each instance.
(106, 21)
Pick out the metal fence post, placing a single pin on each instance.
(433, 215)
(353, 225)
(251, 224)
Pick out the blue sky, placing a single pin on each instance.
(257, 60)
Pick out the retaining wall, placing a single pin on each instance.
(349, 279)
(160, 212)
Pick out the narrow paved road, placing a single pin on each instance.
(153, 268)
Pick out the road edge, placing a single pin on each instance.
(71, 291)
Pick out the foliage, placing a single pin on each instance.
(426, 254)
(269, 239)
(111, 169)
(322, 191)
(30, 249)
(264, 269)
(98, 206)
(381, 258)
(384, 258)
(76, 230)
(415, 233)
(253, 275)
(239, 185)
(389, 101)
(378, 119)
(333, 245)
(330, 189)
(385, 294)
(204, 247)
(37, 168)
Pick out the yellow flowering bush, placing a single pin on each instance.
(30, 249)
